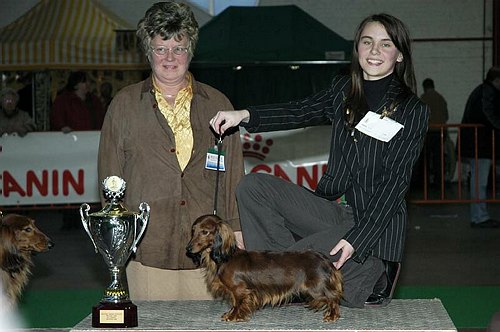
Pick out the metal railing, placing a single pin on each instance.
(453, 188)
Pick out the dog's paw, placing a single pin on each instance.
(230, 316)
(224, 317)
(331, 317)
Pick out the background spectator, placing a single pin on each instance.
(106, 93)
(26, 93)
(439, 115)
(76, 108)
(483, 107)
(13, 119)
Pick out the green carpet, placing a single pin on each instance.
(468, 307)
(57, 308)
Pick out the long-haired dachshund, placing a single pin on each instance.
(19, 239)
(250, 280)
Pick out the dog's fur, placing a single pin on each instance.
(19, 239)
(250, 280)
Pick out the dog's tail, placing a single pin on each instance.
(337, 282)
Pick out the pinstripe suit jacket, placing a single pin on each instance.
(373, 175)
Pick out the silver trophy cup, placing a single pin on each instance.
(115, 233)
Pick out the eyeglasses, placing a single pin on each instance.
(176, 50)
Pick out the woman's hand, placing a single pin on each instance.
(239, 240)
(224, 120)
(347, 251)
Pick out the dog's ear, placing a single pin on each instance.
(216, 252)
(224, 244)
(13, 263)
(12, 260)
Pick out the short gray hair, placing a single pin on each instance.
(168, 19)
(9, 92)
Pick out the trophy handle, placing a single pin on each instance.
(84, 214)
(144, 216)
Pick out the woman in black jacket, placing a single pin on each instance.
(357, 214)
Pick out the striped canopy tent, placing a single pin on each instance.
(67, 34)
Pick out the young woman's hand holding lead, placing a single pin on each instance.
(224, 120)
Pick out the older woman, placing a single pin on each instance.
(12, 119)
(156, 137)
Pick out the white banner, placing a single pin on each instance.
(55, 168)
(299, 155)
(49, 168)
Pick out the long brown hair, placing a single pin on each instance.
(399, 34)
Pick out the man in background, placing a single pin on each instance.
(483, 107)
(438, 116)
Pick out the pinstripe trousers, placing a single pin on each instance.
(280, 216)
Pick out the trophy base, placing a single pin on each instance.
(123, 314)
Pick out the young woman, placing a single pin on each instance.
(378, 129)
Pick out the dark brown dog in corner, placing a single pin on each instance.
(19, 239)
(249, 280)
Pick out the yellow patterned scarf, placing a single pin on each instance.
(178, 119)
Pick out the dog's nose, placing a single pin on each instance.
(50, 245)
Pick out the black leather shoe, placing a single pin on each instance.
(382, 296)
